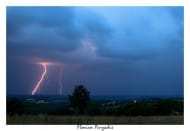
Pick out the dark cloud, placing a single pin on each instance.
(129, 50)
(41, 31)
(57, 30)
(48, 31)
(19, 17)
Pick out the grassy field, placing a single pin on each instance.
(69, 120)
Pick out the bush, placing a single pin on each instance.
(15, 106)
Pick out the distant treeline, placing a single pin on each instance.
(113, 108)
(80, 103)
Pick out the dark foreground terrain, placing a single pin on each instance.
(126, 120)
(57, 110)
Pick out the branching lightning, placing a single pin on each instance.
(41, 79)
(45, 65)
(60, 81)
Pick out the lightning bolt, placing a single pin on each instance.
(60, 81)
(41, 79)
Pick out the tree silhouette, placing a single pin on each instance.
(80, 99)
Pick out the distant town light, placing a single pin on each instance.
(134, 101)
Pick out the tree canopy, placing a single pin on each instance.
(79, 99)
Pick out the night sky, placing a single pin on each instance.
(110, 50)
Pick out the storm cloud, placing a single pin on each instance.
(118, 50)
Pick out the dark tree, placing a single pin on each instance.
(80, 99)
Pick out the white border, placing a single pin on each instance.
(94, 2)
(4, 3)
(2, 65)
(186, 63)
